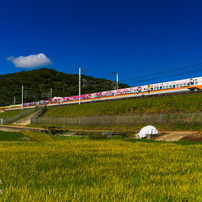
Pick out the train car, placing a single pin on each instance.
(185, 85)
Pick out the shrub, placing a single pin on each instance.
(96, 136)
(37, 136)
(116, 137)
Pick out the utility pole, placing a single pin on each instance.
(80, 84)
(22, 96)
(14, 100)
(51, 91)
(117, 79)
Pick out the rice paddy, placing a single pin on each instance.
(99, 170)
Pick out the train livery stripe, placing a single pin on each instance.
(168, 87)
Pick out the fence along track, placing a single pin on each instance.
(17, 117)
(129, 120)
(27, 112)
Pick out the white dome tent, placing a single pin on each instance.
(147, 130)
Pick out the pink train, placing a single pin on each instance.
(185, 85)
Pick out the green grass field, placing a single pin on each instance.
(99, 170)
(154, 105)
(8, 114)
(10, 136)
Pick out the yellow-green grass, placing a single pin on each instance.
(10, 136)
(100, 170)
(124, 128)
(152, 105)
(8, 114)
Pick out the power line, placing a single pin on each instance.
(188, 72)
(126, 64)
(163, 67)
(164, 72)
(152, 68)
(153, 52)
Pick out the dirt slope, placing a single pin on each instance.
(24, 121)
(174, 135)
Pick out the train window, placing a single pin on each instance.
(170, 86)
(157, 88)
(152, 89)
(181, 85)
(184, 84)
(196, 82)
(173, 86)
(164, 87)
(161, 87)
(177, 85)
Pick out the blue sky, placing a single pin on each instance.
(144, 41)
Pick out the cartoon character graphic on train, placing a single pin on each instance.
(171, 86)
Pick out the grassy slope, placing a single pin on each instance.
(9, 114)
(170, 104)
(107, 170)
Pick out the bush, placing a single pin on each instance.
(126, 134)
(96, 136)
(116, 137)
(37, 136)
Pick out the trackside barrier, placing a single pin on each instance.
(23, 113)
(40, 111)
(128, 120)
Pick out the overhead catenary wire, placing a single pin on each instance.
(140, 61)
(164, 72)
(154, 78)
(153, 69)
(149, 54)
(155, 54)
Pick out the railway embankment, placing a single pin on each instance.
(190, 103)
(168, 113)
(124, 115)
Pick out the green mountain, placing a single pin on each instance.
(37, 85)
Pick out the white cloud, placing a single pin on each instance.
(30, 61)
(10, 58)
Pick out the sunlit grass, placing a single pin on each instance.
(104, 170)
(152, 105)
(8, 114)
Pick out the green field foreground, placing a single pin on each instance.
(152, 105)
(100, 170)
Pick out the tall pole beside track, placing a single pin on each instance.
(22, 96)
(51, 93)
(117, 79)
(79, 85)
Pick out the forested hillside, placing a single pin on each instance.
(37, 85)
